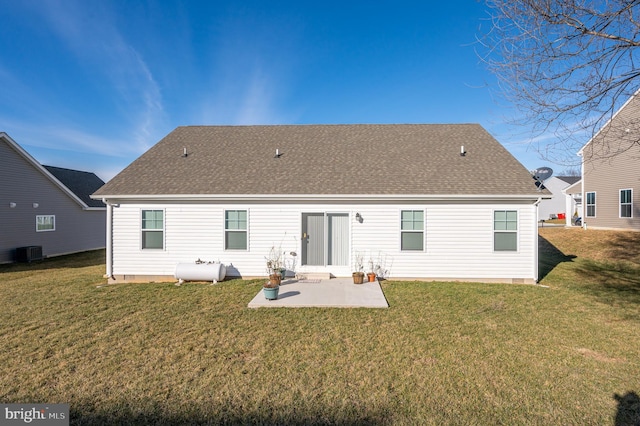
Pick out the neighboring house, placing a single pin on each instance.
(611, 172)
(46, 207)
(445, 202)
(559, 203)
(573, 199)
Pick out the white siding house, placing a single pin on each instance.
(413, 219)
(559, 202)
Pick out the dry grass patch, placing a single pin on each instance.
(443, 353)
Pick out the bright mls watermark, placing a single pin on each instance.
(37, 414)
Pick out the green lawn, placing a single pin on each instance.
(443, 353)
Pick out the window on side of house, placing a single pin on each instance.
(153, 229)
(45, 223)
(626, 195)
(412, 230)
(591, 204)
(235, 230)
(505, 230)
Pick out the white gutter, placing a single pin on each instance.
(320, 197)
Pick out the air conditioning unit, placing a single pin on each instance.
(29, 253)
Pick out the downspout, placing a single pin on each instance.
(109, 259)
(535, 241)
(583, 211)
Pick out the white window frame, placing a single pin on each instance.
(143, 230)
(506, 231)
(630, 203)
(246, 230)
(586, 203)
(416, 231)
(41, 220)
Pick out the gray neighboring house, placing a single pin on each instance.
(610, 183)
(422, 201)
(46, 207)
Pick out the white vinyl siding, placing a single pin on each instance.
(153, 229)
(412, 230)
(458, 239)
(45, 223)
(626, 197)
(591, 204)
(235, 230)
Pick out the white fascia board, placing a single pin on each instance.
(318, 197)
(42, 170)
(571, 187)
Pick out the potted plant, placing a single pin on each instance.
(358, 275)
(274, 265)
(371, 275)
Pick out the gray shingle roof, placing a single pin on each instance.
(82, 184)
(385, 159)
(569, 179)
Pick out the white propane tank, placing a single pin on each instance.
(200, 272)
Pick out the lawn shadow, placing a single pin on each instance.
(228, 415)
(549, 257)
(614, 283)
(624, 247)
(76, 260)
(628, 412)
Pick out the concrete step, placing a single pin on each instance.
(314, 275)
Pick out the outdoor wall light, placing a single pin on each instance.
(359, 217)
(36, 205)
(12, 205)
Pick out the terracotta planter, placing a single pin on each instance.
(358, 277)
(275, 279)
(371, 276)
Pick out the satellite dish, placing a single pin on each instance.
(540, 175)
(543, 173)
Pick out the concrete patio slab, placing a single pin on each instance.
(333, 293)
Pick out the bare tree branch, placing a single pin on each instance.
(567, 65)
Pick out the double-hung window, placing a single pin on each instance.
(505, 230)
(235, 230)
(45, 223)
(153, 229)
(591, 204)
(626, 195)
(412, 230)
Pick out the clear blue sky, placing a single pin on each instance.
(92, 84)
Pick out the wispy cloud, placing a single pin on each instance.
(251, 74)
(70, 139)
(90, 33)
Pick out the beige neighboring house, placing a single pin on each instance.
(422, 201)
(610, 183)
